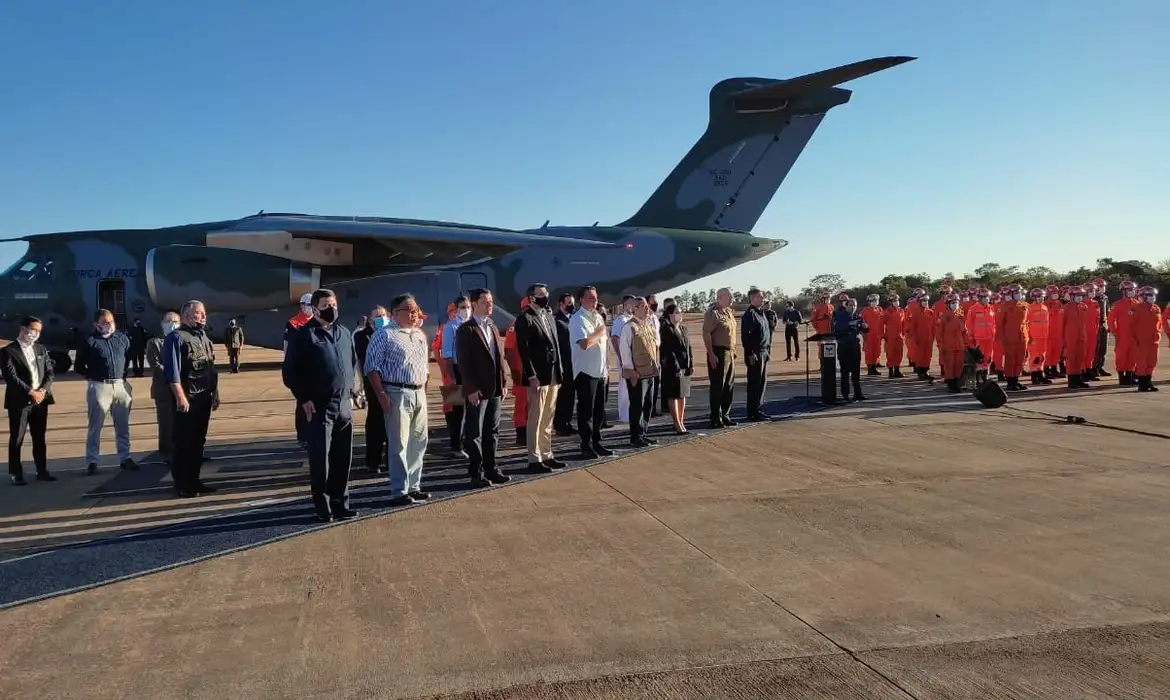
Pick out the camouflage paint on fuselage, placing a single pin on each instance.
(696, 224)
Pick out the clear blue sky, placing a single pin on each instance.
(1030, 133)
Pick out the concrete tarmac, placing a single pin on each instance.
(911, 546)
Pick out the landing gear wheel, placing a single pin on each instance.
(62, 363)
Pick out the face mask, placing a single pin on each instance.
(953, 306)
(924, 301)
(569, 308)
(307, 309)
(381, 321)
(1078, 298)
(654, 307)
(1150, 298)
(895, 303)
(232, 324)
(105, 329)
(30, 336)
(1130, 294)
(463, 314)
(168, 326)
(675, 318)
(873, 304)
(984, 300)
(540, 302)
(328, 314)
(1017, 296)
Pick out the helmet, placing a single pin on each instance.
(918, 291)
(892, 297)
(1052, 288)
(1127, 285)
(945, 289)
(872, 297)
(1099, 283)
(996, 298)
(952, 298)
(1075, 290)
(1037, 293)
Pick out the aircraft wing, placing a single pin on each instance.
(412, 239)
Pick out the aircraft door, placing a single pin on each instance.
(112, 297)
(472, 280)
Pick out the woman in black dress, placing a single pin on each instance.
(677, 366)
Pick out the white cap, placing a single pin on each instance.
(306, 299)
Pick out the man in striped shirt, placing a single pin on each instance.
(397, 366)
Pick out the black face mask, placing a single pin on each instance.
(196, 326)
(328, 314)
(654, 307)
(540, 302)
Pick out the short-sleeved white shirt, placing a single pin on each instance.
(589, 361)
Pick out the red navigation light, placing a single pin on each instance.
(629, 245)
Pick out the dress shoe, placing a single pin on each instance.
(418, 495)
(554, 463)
(129, 465)
(403, 500)
(18, 480)
(323, 517)
(589, 453)
(539, 468)
(602, 451)
(344, 514)
(45, 476)
(90, 469)
(498, 478)
(204, 489)
(480, 483)
(728, 423)
(183, 493)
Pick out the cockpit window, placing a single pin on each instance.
(29, 269)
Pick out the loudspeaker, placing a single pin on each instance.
(991, 395)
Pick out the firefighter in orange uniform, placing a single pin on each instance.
(1039, 327)
(519, 388)
(997, 344)
(872, 316)
(1075, 335)
(966, 300)
(1090, 348)
(891, 330)
(922, 330)
(1055, 349)
(912, 308)
(952, 342)
(822, 320)
(1147, 336)
(1120, 317)
(980, 322)
(939, 306)
(448, 379)
(1011, 328)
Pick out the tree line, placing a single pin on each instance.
(990, 275)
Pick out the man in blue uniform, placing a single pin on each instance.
(319, 369)
(848, 327)
(756, 339)
(189, 369)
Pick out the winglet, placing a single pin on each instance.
(795, 87)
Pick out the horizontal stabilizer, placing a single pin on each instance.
(805, 84)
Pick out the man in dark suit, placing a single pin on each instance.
(481, 368)
(567, 394)
(28, 373)
(540, 361)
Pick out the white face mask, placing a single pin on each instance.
(873, 303)
(169, 326)
(1078, 298)
(953, 306)
(463, 314)
(984, 300)
(105, 329)
(1130, 294)
(1151, 298)
(1017, 296)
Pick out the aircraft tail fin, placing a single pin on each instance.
(758, 127)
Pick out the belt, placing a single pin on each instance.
(401, 385)
(108, 381)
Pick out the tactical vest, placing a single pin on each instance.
(197, 364)
(644, 348)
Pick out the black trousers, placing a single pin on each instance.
(849, 358)
(1102, 347)
(481, 434)
(757, 382)
(655, 390)
(641, 402)
(164, 413)
(455, 417)
(566, 395)
(190, 435)
(234, 359)
(722, 388)
(31, 421)
(590, 409)
(330, 435)
(138, 359)
(375, 429)
(792, 342)
(302, 425)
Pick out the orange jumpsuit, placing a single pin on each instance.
(1038, 325)
(913, 308)
(1147, 336)
(922, 330)
(1011, 329)
(980, 322)
(519, 389)
(997, 344)
(1166, 320)
(1075, 335)
(952, 343)
(963, 306)
(938, 308)
(893, 319)
(872, 316)
(1055, 333)
(822, 322)
(1092, 325)
(1120, 318)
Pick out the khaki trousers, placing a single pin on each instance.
(542, 406)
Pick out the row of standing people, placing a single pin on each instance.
(1056, 333)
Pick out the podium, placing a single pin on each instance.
(828, 355)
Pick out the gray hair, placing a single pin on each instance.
(168, 315)
(189, 307)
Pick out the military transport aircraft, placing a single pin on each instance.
(255, 269)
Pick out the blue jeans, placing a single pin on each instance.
(406, 438)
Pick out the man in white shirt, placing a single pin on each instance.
(589, 344)
(619, 323)
(639, 353)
